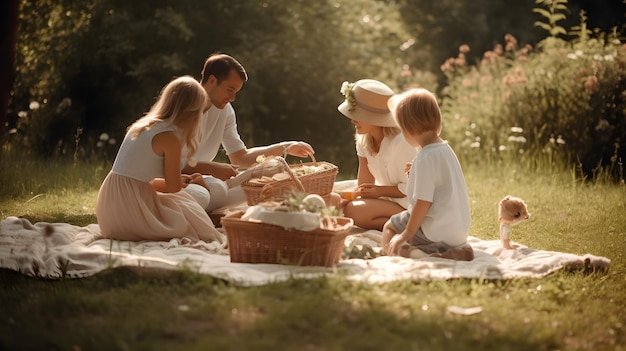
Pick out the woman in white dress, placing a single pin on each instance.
(382, 151)
(141, 198)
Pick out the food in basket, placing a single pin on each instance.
(312, 178)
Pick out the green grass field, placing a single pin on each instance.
(123, 309)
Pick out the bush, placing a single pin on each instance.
(563, 98)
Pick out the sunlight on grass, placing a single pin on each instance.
(183, 310)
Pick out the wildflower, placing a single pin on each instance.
(22, 114)
(608, 57)
(112, 141)
(501, 148)
(104, 136)
(602, 125)
(460, 60)
(572, 56)
(517, 130)
(597, 66)
(591, 84)
(34, 105)
(498, 49)
(475, 145)
(346, 90)
(13, 131)
(407, 44)
(578, 53)
(559, 140)
(509, 38)
(473, 125)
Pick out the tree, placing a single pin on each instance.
(9, 10)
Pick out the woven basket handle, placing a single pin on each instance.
(287, 153)
(268, 187)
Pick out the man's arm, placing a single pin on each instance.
(247, 157)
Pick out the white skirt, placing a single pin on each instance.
(129, 209)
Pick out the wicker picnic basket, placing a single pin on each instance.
(320, 183)
(255, 242)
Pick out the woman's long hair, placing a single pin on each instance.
(180, 103)
(367, 140)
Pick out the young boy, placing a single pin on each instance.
(437, 220)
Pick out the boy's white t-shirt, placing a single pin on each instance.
(436, 177)
(218, 127)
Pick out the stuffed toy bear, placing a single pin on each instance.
(511, 210)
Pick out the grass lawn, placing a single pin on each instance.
(123, 309)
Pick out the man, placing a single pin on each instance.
(222, 78)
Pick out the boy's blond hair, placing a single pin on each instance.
(416, 111)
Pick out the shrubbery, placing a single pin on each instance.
(564, 99)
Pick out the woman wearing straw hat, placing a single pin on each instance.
(382, 151)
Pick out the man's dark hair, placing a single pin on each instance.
(220, 65)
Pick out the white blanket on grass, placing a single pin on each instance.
(61, 250)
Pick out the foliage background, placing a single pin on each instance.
(92, 67)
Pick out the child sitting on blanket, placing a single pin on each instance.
(141, 198)
(437, 220)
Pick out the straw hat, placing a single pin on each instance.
(366, 101)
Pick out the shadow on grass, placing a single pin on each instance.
(121, 308)
(60, 217)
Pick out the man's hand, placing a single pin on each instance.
(300, 149)
(223, 171)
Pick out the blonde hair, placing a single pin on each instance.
(416, 111)
(367, 140)
(180, 103)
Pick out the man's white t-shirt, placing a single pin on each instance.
(218, 127)
(436, 177)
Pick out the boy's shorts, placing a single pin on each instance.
(419, 240)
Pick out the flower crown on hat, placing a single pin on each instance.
(346, 90)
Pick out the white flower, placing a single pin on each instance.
(560, 140)
(517, 130)
(572, 56)
(344, 86)
(501, 147)
(104, 136)
(475, 145)
(34, 105)
(578, 52)
(22, 114)
(112, 141)
(608, 57)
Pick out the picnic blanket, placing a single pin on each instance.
(62, 250)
